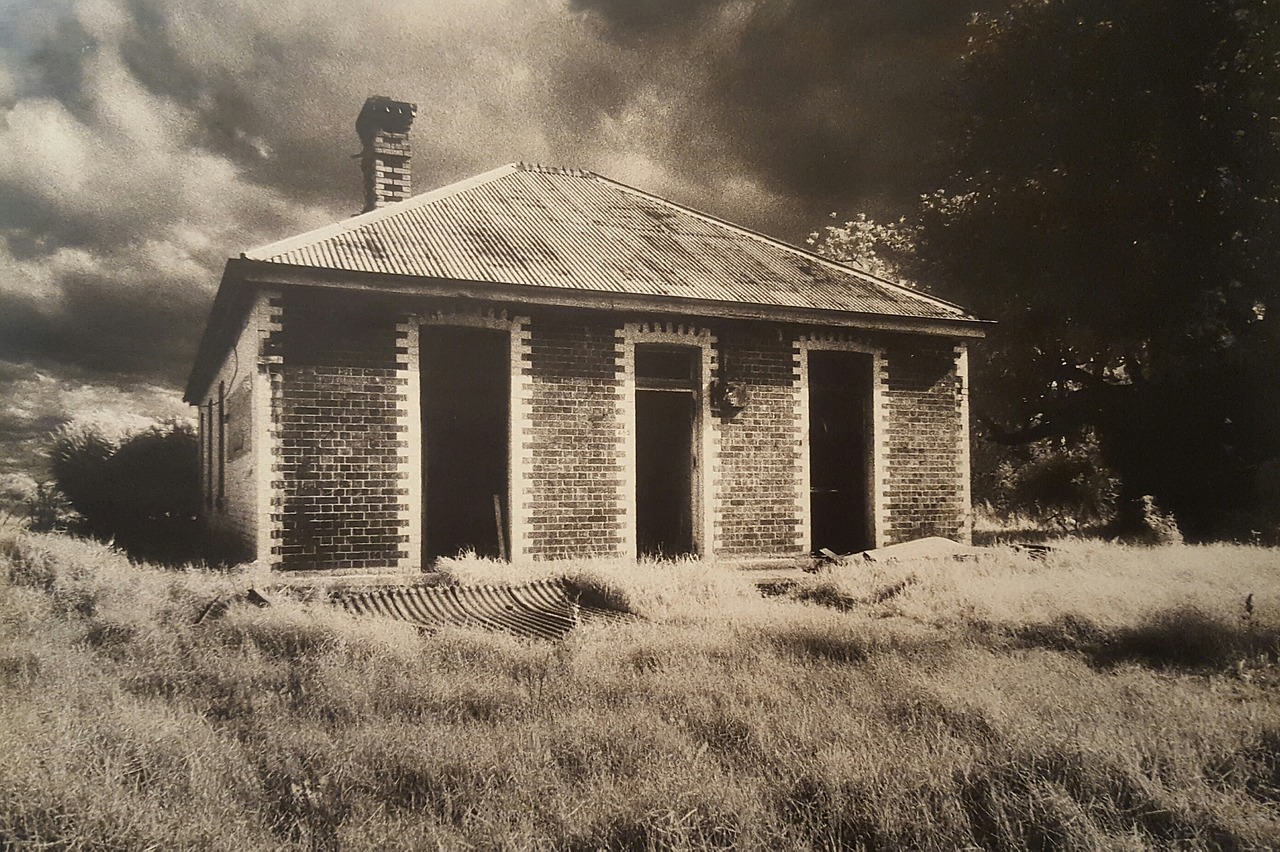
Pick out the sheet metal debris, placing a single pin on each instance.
(932, 547)
(218, 607)
(1035, 551)
(548, 609)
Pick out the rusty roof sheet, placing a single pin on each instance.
(548, 609)
(560, 228)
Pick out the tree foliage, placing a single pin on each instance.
(141, 492)
(1060, 482)
(883, 249)
(1115, 206)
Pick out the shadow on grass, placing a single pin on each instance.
(1040, 534)
(1183, 638)
(830, 595)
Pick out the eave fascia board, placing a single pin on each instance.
(270, 274)
(214, 343)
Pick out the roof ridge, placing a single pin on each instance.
(757, 235)
(539, 168)
(360, 220)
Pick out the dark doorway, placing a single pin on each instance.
(465, 427)
(666, 454)
(840, 443)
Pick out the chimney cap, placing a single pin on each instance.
(383, 113)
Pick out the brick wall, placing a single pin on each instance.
(326, 385)
(340, 447)
(571, 444)
(229, 449)
(757, 475)
(927, 445)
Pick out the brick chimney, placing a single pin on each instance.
(383, 126)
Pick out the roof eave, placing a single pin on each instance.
(812, 256)
(273, 274)
(215, 342)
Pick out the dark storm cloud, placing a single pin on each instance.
(144, 329)
(57, 64)
(143, 142)
(830, 102)
(631, 20)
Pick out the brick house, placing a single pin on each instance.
(541, 363)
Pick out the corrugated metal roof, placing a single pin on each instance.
(546, 227)
(543, 610)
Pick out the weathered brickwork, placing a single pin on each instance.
(311, 436)
(230, 441)
(409, 429)
(266, 411)
(570, 444)
(926, 442)
(342, 490)
(757, 474)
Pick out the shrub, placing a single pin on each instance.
(1142, 521)
(1061, 481)
(142, 492)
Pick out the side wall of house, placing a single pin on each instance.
(232, 417)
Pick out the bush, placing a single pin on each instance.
(1142, 521)
(47, 510)
(142, 492)
(1060, 481)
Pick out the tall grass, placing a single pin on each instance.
(976, 705)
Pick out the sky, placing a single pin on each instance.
(144, 142)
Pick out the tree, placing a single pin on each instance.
(1115, 206)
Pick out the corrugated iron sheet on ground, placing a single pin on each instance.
(547, 609)
(545, 227)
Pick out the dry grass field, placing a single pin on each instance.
(1102, 698)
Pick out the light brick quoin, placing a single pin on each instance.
(409, 426)
(266, 399)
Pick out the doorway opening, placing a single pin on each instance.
(466, 399)
(667, 382)
(840, 451)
